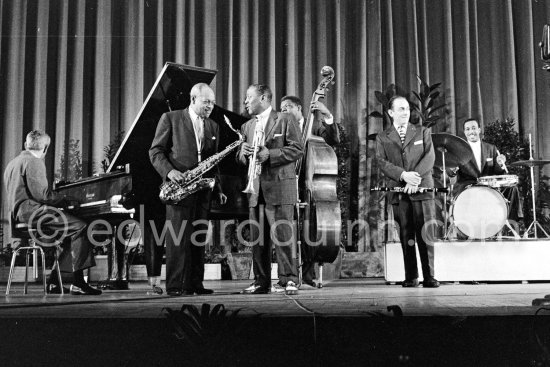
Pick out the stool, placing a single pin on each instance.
(25, 232)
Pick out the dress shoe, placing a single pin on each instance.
(84, 290)
(155, 291)
(430, 283)
(200, 291)
(311, 283)
(410, 283)
(277, 288)
(256, 289)
(291, 288)
(174, 292)
(56, 289)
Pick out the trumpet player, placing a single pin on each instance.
(182, 140)
(271, 148)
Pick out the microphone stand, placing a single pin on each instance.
(535, 222)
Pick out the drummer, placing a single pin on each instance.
(486, 161)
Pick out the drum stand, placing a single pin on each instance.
(444, 177)
(535, 222)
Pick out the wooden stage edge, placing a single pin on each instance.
(348, 322)
(338, 298)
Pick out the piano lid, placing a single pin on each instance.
(170, 92)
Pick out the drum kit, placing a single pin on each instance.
(480, 211)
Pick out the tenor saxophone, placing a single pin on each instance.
(172, 192)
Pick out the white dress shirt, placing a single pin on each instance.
(476, 148)
(198, 127)
(262, 121)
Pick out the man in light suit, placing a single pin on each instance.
(406, 155)
(275, 189)
(182, 140)
(324, 127)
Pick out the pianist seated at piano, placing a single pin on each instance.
(30, 200)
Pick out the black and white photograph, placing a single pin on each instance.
(275, 183)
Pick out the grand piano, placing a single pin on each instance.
(130, 187)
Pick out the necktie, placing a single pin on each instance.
(198, 125)
(402, 131)
(199, 128)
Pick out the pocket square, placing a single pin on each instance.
(489, 159)
(277, 135)
(418, 142)
(213, 138)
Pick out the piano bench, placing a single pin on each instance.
(24, 232)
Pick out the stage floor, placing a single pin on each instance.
(353, 297)
(346, 323)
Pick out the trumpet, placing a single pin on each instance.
(254, 167)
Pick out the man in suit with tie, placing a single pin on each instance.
(271, 205)
(183, 139)
(324, 127)
(486, 161)
(406, 155)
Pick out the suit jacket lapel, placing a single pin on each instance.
(271, 121)
(188, 125)
(393, 135)
(411, 132)
(484, 154)
(207, 133)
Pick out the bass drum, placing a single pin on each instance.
(479, 212)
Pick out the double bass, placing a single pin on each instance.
(317, 172)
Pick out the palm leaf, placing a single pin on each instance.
(434, 86)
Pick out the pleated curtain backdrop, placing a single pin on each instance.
(80, 69)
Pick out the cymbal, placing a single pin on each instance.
(457, 150)
(531, 162)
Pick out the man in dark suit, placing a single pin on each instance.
(31, 201)
(324, 127)
(275, 189)
(486, 161)
(182, 140)
(406, 155)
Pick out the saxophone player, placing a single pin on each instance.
(183, 139)
(273, 191)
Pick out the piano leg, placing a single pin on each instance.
(153, 256)
(117, 266)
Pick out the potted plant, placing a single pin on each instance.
(239, 255)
